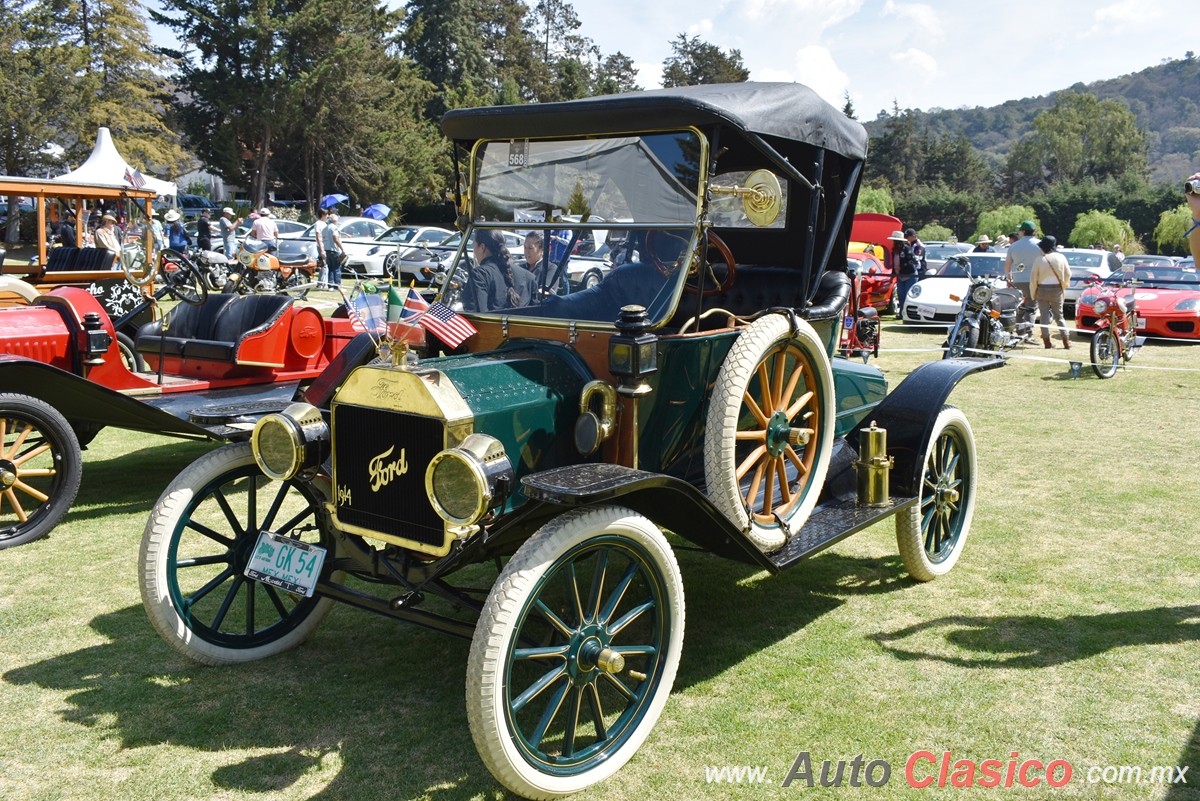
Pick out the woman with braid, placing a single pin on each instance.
(495, 283)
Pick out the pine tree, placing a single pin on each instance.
(694, 61)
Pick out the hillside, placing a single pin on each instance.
(1165, 99)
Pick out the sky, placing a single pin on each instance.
(941, 54)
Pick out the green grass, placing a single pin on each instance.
(1069, 629)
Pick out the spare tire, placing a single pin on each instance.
(770, 430)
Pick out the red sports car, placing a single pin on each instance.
(1167, 301)
(878, 281)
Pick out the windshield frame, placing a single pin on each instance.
(474, 164)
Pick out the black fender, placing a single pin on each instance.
(669, 502)
(87, 404)
(908, 414)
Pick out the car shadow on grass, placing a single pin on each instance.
(1033, 641)
(1190, 761)
(736, 610)
(386, 699)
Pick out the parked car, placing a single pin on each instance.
(358, 235)
(1086, 264)
(383, 259)
(421, 264)
(1167, 300)
(876, 279)
(190, 206)
(1150, 260)
(929, 300)
(689, 391)
(937, 252)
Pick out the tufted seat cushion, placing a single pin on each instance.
(214, 329)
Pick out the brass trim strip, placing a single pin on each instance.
(257, 364)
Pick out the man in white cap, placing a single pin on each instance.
(227, 230)
(265, 230)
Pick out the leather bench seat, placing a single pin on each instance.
(64, 259)
(213, 330)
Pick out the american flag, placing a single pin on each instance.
(447, 325)
(135, 178)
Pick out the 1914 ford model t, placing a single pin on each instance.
(691, 390)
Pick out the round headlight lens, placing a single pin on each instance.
(915, 291)
(276, 443)
(1100, 306)
(981, 294)
(246, 257)
(291, 441)
(456, 488)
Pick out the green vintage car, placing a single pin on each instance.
(692, 390)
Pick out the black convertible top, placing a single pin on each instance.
(787, 110)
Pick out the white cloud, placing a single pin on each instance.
(818, 71)
(1112, 18)
(649, 74)
(703, 26)
(920, 13)
(816, 14)
(770, 74)
(917, 60)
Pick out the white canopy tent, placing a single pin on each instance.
(106, 166)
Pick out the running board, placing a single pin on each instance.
(831, 523)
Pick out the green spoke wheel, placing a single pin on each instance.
(197, 543)
(932, 532)
(575, 654)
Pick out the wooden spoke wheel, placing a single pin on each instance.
(770, 430)
(40, 467)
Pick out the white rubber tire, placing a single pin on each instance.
(154, 564)
(485, 691)
(724, 412)
(910, 536)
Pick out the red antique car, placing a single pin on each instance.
(1167, 300)
(214, 368)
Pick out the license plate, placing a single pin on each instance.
(1139, 322)
(288, 564)
(926, 311)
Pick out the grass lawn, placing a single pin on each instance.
(1070, 629)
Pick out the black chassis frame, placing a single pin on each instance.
(908, 413)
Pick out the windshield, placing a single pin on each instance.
(942, 252)
(1158, 278)
(636, 197)
(397, 235)
(1077, 259)
(981, 265)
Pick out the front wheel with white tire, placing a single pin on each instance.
(198, 541)
(575, 653)
(932, 532)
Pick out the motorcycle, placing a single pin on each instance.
(860, 326)
(213, 266)
(1116, 339)
(987, 320)
(257, 270)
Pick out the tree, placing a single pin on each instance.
(119, 86)
(848, 108)
(577, 202)
(954, 162)
(1003, 221)
(1171, 232)
(695, 62)
(1104, 228)
(1084, 137)
(617, 74)
(937, 204)
(875, 200)
(934, 233)
(38, 71)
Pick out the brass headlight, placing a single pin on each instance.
(463, 483)
(290, 442)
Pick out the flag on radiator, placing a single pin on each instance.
(449, 326)
(404, 304)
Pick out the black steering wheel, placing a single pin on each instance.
(657, 241)
(181, 278)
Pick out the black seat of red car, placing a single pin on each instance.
(214, 329)
(80, 259)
